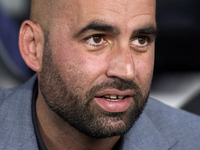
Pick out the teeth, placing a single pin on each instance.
(114, 97)
(107, 96)
(120, 97)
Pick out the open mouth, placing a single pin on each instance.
(118, 102)
(113, 97)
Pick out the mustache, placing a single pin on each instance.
(117, 83)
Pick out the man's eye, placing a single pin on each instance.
(95, 40)
(140, 41)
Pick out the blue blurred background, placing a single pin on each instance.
(176, 79)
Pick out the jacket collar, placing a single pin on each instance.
(144, 135)
(17, 130)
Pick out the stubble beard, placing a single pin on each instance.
(79, 110)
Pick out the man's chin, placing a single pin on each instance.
(109, 125)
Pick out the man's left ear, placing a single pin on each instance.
(31, 44)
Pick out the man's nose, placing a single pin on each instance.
(121, 64)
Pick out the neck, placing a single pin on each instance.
(58, 134)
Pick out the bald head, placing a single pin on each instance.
(39, 10)
(42, 11)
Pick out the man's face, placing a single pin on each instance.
(98, 63)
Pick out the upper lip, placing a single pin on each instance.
(115, 92)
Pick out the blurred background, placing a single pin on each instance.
(13, 70)
(176, 79)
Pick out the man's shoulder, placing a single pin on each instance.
(175, 124)
(161, 127)
(14, 99)
(5, 93)
(17, 91)
(161, 113)
(16, 128)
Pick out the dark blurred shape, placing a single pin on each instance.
(16, 9)
(9, 52)
(178, 42)
(194, 105)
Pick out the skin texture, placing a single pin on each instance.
(81, 51)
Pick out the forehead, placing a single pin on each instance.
(120, 7)
(117, 6)
(75, 13)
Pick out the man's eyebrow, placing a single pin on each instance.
(98, 27)
(146, 30)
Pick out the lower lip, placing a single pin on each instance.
(114, 106)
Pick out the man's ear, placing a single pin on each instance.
(31, 44)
